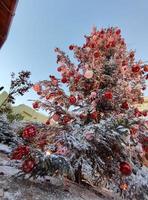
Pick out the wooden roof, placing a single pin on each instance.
(7, 11)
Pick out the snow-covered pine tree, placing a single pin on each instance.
(96, 133)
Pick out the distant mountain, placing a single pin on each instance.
(27, 112)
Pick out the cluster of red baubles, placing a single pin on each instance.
(125, 168)
(19, 152)
(29, 132)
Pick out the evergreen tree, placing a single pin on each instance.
(96, 134)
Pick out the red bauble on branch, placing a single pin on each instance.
(64, 80)
(28, 165)
(72, 100)
(125, 168)
(136, 68)
(19, 152)
(35, 105)
(108, 95)
(29, 132)
(146, 68)
(37, 88)
(125, 105)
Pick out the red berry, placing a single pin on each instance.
(125, 105)
(64, 80)
(72, 100)
(71, 47)
(136, 68)
(108, 95)
(125, 168)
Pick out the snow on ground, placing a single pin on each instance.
(16, 189)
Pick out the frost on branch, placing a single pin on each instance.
(94, 124)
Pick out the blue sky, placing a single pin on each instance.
(38, 28)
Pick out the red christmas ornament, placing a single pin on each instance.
(133, 130)
(66, 119)
(132, 54)
(48, 122)
(118, 31)
(64, 80)
(125, 105)
(137, 113)
(82, 116)
(59, 69)
(108, 95)
(94, 115)
(37, 88)
(144, 113)
(56, 117)
(71, 47)
(19, 152)
(72, 100)
(146, 68)
(35, 105)
(125, 168)
(136, 68)
(28, 165)
(59, 92)
(96, 54)
(29, 132)
(71, 73)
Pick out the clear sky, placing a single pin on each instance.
(41, 25)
